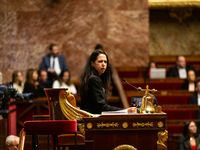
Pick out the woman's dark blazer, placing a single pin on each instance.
(185, 145)
(94, 99)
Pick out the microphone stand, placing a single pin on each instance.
(140, 90)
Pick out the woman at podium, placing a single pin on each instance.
(94, 86)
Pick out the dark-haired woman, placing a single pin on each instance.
(190, 140)
(95, 84)
(31, 84)
(64, 81)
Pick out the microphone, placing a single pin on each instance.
(140, 90)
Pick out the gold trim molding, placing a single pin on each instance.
(101, 125)
(163, 4)
(143, 124)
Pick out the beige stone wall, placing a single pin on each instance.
(28, 27)
(170, 37)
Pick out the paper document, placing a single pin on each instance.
(118, 112)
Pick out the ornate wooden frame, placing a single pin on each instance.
(162, 4)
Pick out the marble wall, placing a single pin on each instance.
(170, 37)
(28, 27)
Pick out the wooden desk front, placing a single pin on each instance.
(109, 131)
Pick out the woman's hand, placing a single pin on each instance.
(131, 110)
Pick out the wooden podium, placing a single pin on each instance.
(109, 131)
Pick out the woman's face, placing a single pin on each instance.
(65, 76)
(191, 76)
(152, 65)
(35, 75)
(192, 127)
(100, 64)
(20, 77)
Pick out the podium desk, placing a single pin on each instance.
(109, 131)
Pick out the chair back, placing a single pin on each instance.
(55, 112)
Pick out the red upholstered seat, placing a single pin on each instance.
(175, 129)
(180, 114)
(157, 86)
(170, 99)
(53, 127)
(50, 126)
(128, 74)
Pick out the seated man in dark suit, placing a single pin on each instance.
(195, 99)
(181, 68)
(53, 63)
(43, 81)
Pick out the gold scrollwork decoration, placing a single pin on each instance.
(125, 125)
(101, 125)
(143, 124)
(162, 138)
(89, 125)
(125, 147)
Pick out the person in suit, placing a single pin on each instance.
(94, 85)
(181, 68)
(53, 63)
(189, 140)
(195, 99)
(189, 83)
(12, 142)
(43, 81)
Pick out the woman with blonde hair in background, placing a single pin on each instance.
(18, 81)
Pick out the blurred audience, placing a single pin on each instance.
(181, 68)
(152, 65)
(64, 81)
(189, 83)
(43, 81)
(31, 84)
(12, 142)
(190, 140)
(18, 81)
(53, 63)
(195, 99)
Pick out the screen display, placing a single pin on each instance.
(136, 101)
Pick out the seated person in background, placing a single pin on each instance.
(99, 47)
(31, 84)
(12, 142)
(64, 81)
(181, 69)
(18, 81)
(53, 63)
(94, 85)
(189, 83)
(43, 81)
(190, 140)
(152, 65)
(195, 99)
